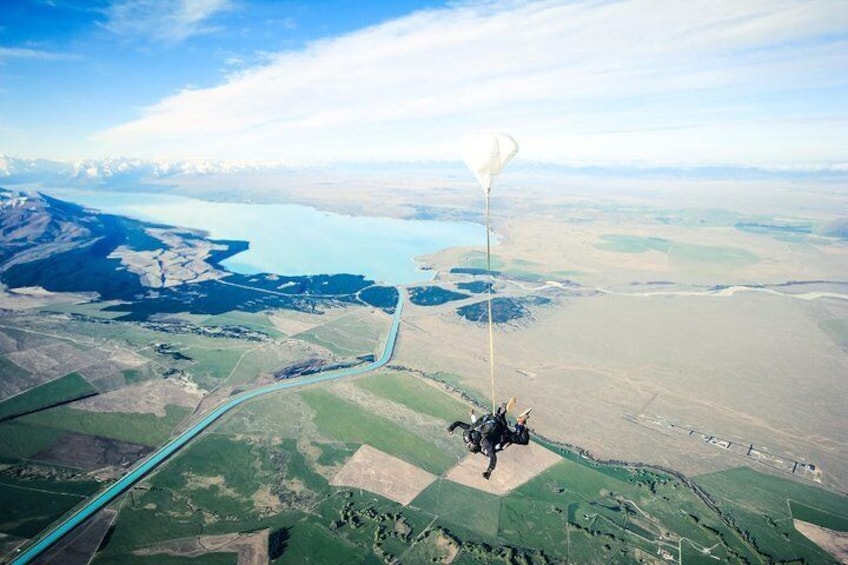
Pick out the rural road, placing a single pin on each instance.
(53, 534)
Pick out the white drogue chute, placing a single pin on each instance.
(486, 154)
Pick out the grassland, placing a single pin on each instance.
(343, 421)
(146, 429)
(66, 388)
(577, 510)
(462, 507)
(355, 334)
(514, 268)
(19, 440)
(10, 370)
(823, 518)
(255, 321)
(416, 394)
(209, 360)
(43, 506)
(678, 251)
(762, 507)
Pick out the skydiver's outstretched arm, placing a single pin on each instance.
(462, 425)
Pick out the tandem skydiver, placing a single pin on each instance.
(491, 433)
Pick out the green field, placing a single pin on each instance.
(516, 268)
(42, 507)
(146, 429)
(65, 388)
(416, 394)
(313, 543)
(462, 506)
(477, 260)
(678, 251)
(268, 464)
(19, 440)
(760, 505)
(255, 321)
(343, 421)
(577, 510)
(823, 518)
(348, 336)
(10, 370)
(35, 498)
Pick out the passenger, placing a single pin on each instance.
(490, 434)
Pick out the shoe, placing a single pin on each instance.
(486, 475)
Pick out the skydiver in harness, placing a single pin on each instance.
(491, 433)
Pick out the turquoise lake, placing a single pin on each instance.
(290, 239)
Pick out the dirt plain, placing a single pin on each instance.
(516, 465)
(379, 472)
(252, 548)
(835, 543)
(149, 397)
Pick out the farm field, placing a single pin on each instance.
(64, 435)
(269, 467)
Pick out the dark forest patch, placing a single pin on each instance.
(503, 309)
(433, 295)
(475, 286)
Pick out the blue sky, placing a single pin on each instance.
(761, 83)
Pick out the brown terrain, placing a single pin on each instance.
(252, 548)
(381, 473)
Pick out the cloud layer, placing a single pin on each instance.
(167, 22)
(757, 82)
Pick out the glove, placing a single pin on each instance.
(487, 474)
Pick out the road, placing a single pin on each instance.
(56, 532)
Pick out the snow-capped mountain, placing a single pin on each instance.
(28, 170)
(107, 168)
(15, 170)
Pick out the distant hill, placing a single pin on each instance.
(125, 173)
(152, 268)
(41, 225)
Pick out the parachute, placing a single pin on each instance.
(486, 154)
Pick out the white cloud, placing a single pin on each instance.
(676, 82)
(167, 21)
(37, 54)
